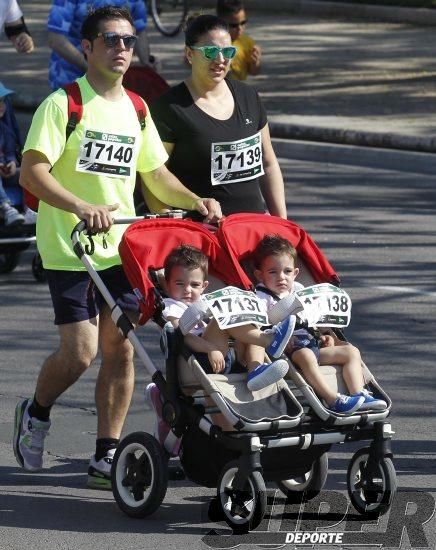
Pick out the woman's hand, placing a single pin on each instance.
(210, 208)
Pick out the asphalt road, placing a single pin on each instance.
(377, 226)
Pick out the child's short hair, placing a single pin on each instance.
(272, 245)
(187, 256)
(229, 7)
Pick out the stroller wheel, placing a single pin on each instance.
(139, 475)
(371, 492)
(8, 261)
(308, 485)
(242, 510)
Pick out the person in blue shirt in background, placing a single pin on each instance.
(64, 24)
(10, 153)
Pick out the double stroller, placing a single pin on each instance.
(280, 434)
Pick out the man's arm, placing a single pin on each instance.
(35, 177)
(170, 191)
(60, 44)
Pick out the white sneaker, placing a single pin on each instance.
(99, 473)
(29, 435)
(30, 216)
(11, 216)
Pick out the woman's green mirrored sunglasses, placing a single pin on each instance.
(211, 52)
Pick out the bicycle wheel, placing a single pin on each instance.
(169, 15)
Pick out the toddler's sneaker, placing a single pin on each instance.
(11, 216)
(282, 334)
(30, 216)
(267, 374)
(371, 403)
(29, 435)
(99, 472)
(162, 432)
(347, 404)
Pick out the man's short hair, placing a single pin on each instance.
(272, 245)
(90, 27)
(187, 256)
(229, 7)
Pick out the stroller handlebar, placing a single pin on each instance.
(89, 249)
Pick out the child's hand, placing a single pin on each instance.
(326, 341)
(256, 54)
(216, 359)
(10, 169)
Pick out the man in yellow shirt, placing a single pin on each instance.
(247, 60)
(91, 176)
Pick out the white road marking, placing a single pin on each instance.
(407, 290)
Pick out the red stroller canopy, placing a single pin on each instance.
(147, 243)
(240, 233)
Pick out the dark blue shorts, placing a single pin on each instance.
(76, 298)
(301, 341)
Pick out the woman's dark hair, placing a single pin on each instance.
(229, 7)
(90, 27)
(198, 25)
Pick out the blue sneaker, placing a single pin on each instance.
(267, 374)
(346, 404)
(282, 334)
(371, 403)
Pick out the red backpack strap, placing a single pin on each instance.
(75, 107)
(139, 105)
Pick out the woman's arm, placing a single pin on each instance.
(271, 183)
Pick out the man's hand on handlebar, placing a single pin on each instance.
(98, 217)
(210, 208)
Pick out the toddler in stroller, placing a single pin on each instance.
(17, 221)
(186, 280)
(280, 433)
(274, 262)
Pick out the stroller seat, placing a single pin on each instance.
(275, 403)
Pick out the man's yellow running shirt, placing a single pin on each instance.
(98, 163)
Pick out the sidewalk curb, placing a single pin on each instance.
(362, 138)
(348, 155)
(417, 16)
(301, 132)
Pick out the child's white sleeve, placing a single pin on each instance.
(173, 309)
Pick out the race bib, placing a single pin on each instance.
(325, 305)
(233, 161)
(105, 154)
(233, 307)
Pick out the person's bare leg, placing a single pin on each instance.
(254, 356)
(305, 359)
(217, 336)
(347, 357)
(115, 381)
(77, 350)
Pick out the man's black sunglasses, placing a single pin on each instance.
(112, 39)
(236, 25)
